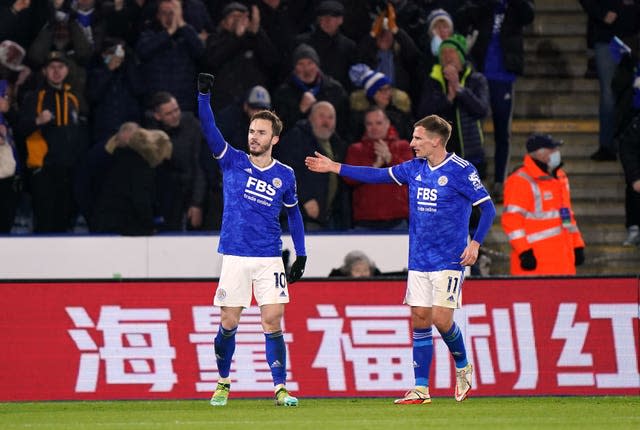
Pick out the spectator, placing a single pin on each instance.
(90, 21)
(336, 51)
(180, 179)
(377, 90)
(306, 85)
(64, 34)
(626, 88)
(13, 77)
(608, 19)
(356, 265)
(389, 50)
(233, 121)
(537, 216)
(125, 205)
(276, 19)
(114, 91)
(498, 54)
(240, 55)
(379, 206)
(440, 27)
(324, 202)
(457, 93)
(20, 20)
(8, 180)
(56, 139)
(170, 51)
(124, 19)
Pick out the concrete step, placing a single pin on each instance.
(575, 167)
(575, 144)
(550, 105)
(558, 24)
(543, 44)
(557, 68)
(527, 85)
(557, 6)
(549, 125)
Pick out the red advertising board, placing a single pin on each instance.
(154, 339)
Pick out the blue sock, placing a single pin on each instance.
(276, 356)
(224, 346)
(455, 342)
(422, 354)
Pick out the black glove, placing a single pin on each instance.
(297, 269)
(528, 260)
(579, 254)
(205, 83)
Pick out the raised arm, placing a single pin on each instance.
(211, 133)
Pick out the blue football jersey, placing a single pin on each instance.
(440, 201)
(253, 199)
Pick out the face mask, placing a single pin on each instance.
(435, 44)
(554, 160)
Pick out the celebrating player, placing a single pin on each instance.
(442, 190)
(255, 187)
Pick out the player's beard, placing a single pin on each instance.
(258, 149)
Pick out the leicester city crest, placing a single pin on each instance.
(442, 181)
(277, 182)
(221, 294)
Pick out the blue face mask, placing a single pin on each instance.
(435, 44)
(554, 160)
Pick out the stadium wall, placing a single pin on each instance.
(152, 339)
(161, 257)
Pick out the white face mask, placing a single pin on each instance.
(435, 44)
(554, 160)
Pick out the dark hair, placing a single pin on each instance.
(160, 98)
(375, 108)
(437, 125)
(276, 123)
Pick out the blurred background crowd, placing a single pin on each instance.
(97, 125)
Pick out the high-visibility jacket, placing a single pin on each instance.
(535, 203)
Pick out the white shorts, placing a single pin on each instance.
(442, 288)
(240, 276)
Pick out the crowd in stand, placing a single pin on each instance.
(97, 101)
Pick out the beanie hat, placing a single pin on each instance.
(362, 76)
(437, 15)
(458, 42)
(305, 51)
(259, 98)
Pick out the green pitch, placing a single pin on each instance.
(581, 413)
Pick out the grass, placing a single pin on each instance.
(581, 413)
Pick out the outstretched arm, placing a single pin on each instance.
(370, 175)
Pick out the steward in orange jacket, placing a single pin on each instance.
(537, 215)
